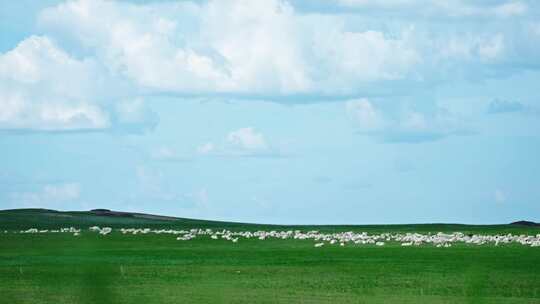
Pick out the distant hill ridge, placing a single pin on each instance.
(525, 223)
(48, 219)
(107, 212)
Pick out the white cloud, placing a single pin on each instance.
(43, 88)
(220, 46)
(365, 114)
(206, 148)
(143, 43)
(119, 51)
(268, 48)
(406, 125)
(247, 139)
(48, 195)
(244, 142)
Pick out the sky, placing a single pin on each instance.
(274, 111)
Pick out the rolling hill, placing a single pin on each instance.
(15, 219)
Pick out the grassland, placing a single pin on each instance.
(61, 268)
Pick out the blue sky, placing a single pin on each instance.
(349, 111)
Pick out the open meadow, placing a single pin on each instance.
(157, 268)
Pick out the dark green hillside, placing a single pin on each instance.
(47, 219)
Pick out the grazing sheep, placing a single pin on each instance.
(440, 240)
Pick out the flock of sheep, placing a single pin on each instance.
(321, 239)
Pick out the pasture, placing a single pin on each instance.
(158, 268)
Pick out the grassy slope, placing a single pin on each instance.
(46, 219)
(158, 269)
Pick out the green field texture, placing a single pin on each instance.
(91, 268)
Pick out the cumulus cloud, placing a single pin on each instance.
(365, 115)
(97, 58)
(244, 142)
(48, 195)
(269, 48)
(170, 50)
(206, 148)
(220, 46)
(247, 139)
(406, 126)
(43, 88)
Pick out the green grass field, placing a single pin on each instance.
(61, 268)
